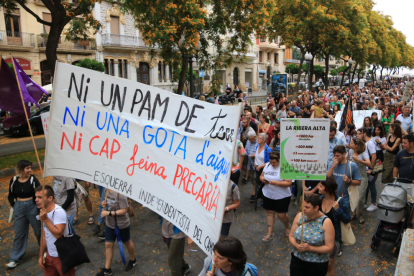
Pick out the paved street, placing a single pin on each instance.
(272, 258)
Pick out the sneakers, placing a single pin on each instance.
(372, 207)
(96, 229)
(252, 198)
(260, 204)
(130, 265)
(185, 272)
(13, 264)
(339, 254)
(102, 236)
(104, 271)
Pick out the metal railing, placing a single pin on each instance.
(64, 44)
(17, 39)
(123, 41)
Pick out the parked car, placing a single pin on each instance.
(35, 122)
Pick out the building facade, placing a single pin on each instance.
(24, 38)
(124, 53)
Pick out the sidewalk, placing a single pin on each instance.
(272, 258)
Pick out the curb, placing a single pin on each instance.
(12, 171)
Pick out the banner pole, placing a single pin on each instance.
(303, 208)
(213, 268)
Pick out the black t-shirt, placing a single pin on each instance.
(22, 190)
(311, 183)
(404, 161)
(237, 92)
(253, 125)
(306, 115)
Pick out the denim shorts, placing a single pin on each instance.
(250, 163)
(110, 235)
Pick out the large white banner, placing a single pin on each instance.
(358, 116)
(171, 153)
(304, 148)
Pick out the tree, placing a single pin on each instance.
(177, 73)
(178, 28)
(319, 71)
(62, 12)
(334, 72)
(292, 69)
(91, 64)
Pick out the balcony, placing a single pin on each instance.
(64, 46)
(13, 39)
(126, 41)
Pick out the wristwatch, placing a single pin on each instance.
(110, 214)
(227, 209)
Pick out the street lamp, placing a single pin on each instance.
(268, 72)
(350, 62)
(308, 58)
(190, 62)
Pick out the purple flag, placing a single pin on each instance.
(31, 92)
(9, 91)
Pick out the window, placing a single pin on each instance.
(268, 55)
(164, 71)
(106, 66)
(171, 72)
(111, 68)
(159, 72)
(331, 58)
(260, 56)
(277, 40)
(262, 39)
(48, 18)
(115, 25)
(125, 71)
(13, 30)
(296, 54)
(120, 68)
(276, 58)
(143, 73)
(320, 59)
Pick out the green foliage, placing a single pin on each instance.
(341, 69)
(319, 71)
(334, 72)
(91, 64)
(177, 73)
(79, 29)
(292, 68)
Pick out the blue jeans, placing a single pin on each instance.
(102, 195)
(71, 228)
(25, 213)
(373, 189)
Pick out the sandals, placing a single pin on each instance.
(268, 238)
(361, 220)
(353, 217)
(76, 222)
(287, 232)
(91, 220)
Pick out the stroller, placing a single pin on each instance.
(394, 213)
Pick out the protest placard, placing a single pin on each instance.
(358, 116)
(406, 94)
(171, 153)
(45, 122)
(304, 148)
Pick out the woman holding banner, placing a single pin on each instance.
(312, 244)
(276, 195)
(391, 148)
(117, 227)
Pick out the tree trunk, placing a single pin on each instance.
(181, 80)
(382, 68)
(310, 76)
(52, 44)
(326, 71)
(374, 75)
(343, 76)
(295, 91)
(353, 73)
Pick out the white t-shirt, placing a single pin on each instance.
(339, 135)
(382, 140)
(259, 157)
(57, 216)
(371, 147)
(274, 191)
(405, 122)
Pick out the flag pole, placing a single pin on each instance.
(27, 118)
(34, 145)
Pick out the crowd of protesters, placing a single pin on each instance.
(353, 154)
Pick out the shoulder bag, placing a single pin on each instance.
(80, 193)
(348, 237)
(71, 251)
(352, 191)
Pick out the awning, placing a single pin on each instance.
(262, 71)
